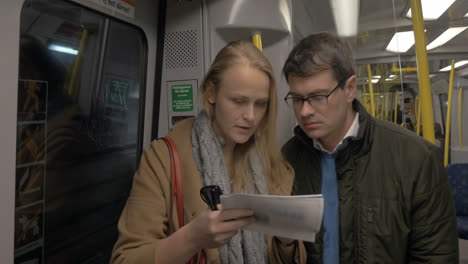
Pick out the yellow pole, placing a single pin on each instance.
(396, 108)
(423, 71)
(382, 107)
(418, 118)
(364, 97)
(76, 64)
(386, 107)
(460, 104)
(371, 90)
(257, 40)
(376, 105)
(449, 114)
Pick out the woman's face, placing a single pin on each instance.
(240, 103)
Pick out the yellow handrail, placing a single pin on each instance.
(423, 71)
(257, 40)
(76, 64)
(371, 90)
(386, 107)
(449, 114)
(409, 69)
(460, 104)
(418, 118)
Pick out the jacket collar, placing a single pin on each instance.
(358, 145)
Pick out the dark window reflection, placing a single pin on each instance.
(79, 100)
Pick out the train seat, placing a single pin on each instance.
(458, 179)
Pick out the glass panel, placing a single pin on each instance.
(79, 99)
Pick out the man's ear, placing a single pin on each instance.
(210, 92)
(350, 88)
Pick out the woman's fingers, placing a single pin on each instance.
(237, 224)
(232, 214)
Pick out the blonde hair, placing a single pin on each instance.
(264, 139)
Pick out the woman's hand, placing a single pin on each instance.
(212, 229)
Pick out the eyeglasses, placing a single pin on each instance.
(297, 102)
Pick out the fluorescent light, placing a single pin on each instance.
(345, 14)
(401, 42)
(392, 76)
(457, 64)
(445, 37)
(375, 80)
(376, 76)
(433, 9)
(466, 15)
(63, 49)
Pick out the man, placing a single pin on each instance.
(386, 192)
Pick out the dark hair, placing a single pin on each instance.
(320, 52)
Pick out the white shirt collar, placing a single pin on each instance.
(352, 132)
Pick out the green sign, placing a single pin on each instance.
(182, 98)
(116, 92)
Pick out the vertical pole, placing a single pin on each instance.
(396, 107)
(418, 116)
(386, 107)
(460, 104)
(257, 40)
(449, 114)
(423, 71)
(371, 90)
(76, 64)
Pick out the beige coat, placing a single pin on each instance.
(144, 220)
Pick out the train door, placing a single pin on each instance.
(77, 110)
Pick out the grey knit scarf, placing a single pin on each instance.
(246, 247)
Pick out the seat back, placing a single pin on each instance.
(458, 179)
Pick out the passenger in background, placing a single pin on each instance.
(232, 143)
(386, 192)
(409, 124)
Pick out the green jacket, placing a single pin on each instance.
(395, 203)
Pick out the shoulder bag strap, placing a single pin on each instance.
(176, 193)
(176, 180)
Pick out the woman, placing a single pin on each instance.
(232, 143)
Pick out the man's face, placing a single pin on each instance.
(328, 118)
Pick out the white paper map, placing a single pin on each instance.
(296, 217)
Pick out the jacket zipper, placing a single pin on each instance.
(356, 214)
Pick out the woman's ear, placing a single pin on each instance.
(210, 92)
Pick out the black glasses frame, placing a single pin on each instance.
(317, 97)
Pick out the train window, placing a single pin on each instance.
(80, 95)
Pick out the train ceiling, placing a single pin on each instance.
(378, 22)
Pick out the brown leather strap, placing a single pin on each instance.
(176, 192)
(176, 180)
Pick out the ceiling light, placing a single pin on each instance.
(345, 14)
(63, 49)
(433, 9)
(458, 64)
(445, 37)
(466, 15)
(376, 76)
(375, 80)
(401, 42)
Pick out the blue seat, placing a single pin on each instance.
(458, 178)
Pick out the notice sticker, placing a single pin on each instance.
(182, 98)
(124, 7)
